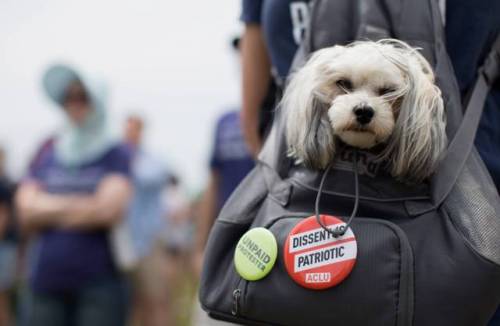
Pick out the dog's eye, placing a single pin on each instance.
(344, 84)
(385, 90)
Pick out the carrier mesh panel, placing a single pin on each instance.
(474, 208)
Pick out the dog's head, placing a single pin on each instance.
(365, 94)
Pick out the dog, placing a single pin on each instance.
(367, 94)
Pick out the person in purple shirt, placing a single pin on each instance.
(77, 189)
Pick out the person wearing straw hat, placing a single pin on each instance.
(76, 191)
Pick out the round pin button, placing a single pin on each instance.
(255, 254)
(314, 258)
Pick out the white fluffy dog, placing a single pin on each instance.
(365, 94)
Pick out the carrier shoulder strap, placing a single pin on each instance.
(462, 143)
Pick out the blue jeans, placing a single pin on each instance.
(98, 304)
(7, 265)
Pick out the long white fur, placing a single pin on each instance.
(318, 111)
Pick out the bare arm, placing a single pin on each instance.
(206, 218)
(4, 218)
(38, 209)
(256, 77)
(103, 209)
(208, 211)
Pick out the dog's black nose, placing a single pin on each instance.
(364, 114)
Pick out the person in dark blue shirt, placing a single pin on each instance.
(230, 160)
(273, 31)
(471, 29)
(77, 189)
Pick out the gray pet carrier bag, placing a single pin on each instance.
(428, 254)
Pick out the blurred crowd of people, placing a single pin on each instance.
(82, 234)
(99, 230)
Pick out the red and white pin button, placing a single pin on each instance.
(314, 258)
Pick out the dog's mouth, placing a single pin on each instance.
(358, 128)
(360, 137)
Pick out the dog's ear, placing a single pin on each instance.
(419, 137)
(305, 102)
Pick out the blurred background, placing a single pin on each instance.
(171, 71)
(170, 61)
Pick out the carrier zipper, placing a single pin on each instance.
(236, 302)
(235, 310)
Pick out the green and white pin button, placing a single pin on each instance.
(255, 254)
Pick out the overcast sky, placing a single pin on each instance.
(170, 60)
